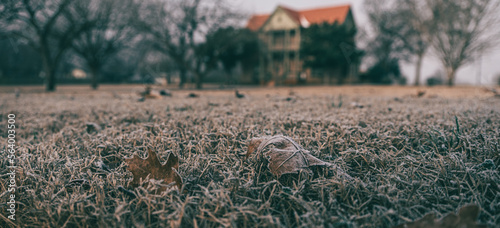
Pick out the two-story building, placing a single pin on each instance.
(280, 39)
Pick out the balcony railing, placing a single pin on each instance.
(281, 40)
(281, 46)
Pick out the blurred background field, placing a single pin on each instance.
(216, 89)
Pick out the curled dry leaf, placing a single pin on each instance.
(151, 166)
(284, 155)
(466, 218)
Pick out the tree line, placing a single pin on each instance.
(195, 35)
(456, 32)
(111, 39)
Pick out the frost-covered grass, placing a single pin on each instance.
(407, 156)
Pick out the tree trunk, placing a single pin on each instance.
(450, 76)
(199, 81)
(51, 80)
(49, 66)
(169, 78)
(340, 75)
(50, 74)
(228, 77)
(182, 77)
(418, 69)
(95, 78)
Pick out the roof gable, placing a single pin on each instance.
(282, 18)
(295, 15)
(304, 17)
(256, 21)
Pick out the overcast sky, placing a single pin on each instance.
(488, 68)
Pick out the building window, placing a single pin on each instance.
(278, 39)
(294, 40)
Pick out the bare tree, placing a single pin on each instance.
(386, 48)
(406, 24)
(179, 26)
(43, 26)
(8, 9)
(463, 31)
(417, 35)
(108, 31)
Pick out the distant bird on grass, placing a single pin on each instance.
(165, 93)
(193, 95)
(421, 93)
(17, 92)
(238, 94)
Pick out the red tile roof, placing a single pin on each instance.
(256, 21)
(330, 14)
(312, 16)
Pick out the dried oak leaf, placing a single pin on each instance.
(148, 93)
(466, 218)
(151, 166)
(284, 155)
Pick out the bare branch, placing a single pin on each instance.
(463, 31)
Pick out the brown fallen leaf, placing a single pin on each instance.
(284, 155)
(466, 218)
(421, 93)
(152, 96)
(151, 166)
(149, 94)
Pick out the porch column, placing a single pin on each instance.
(286, 55)
(270, 47)
(298, 39)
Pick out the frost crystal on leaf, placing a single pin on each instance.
(284, 155)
